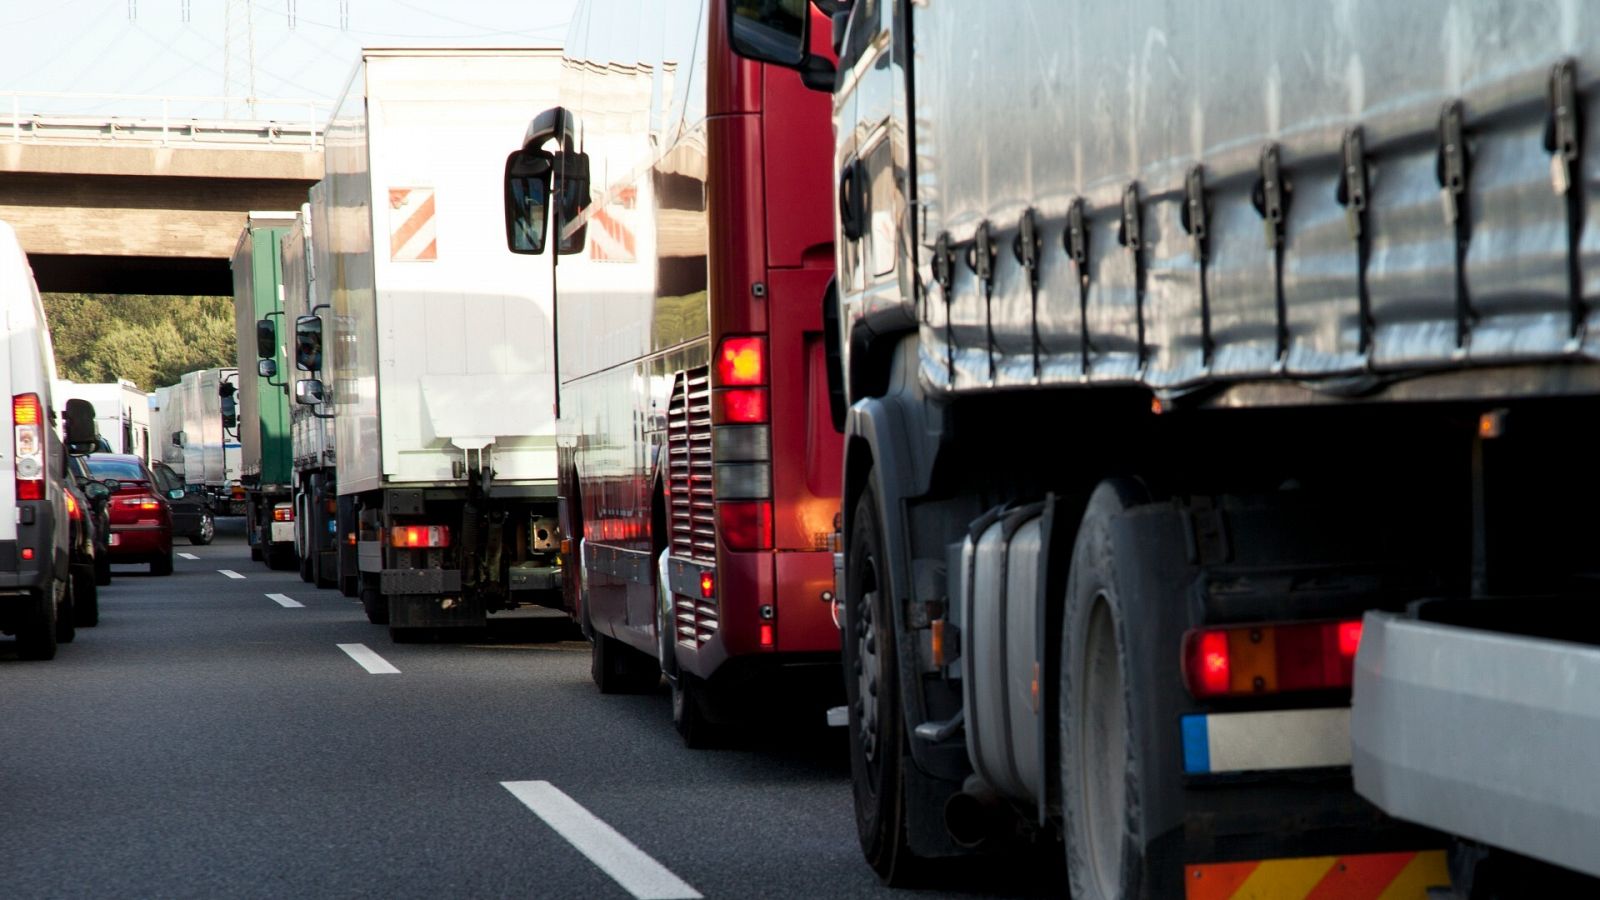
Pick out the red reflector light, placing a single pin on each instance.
(708, 585)
(766, 635)
(25, 409)
(745, 526)
(30, 490)
(27, 553)
(72, 507)
(419, 536)
(350, 538)
(1271, 659)
(283, 514)
(741, 405)
(742, 361)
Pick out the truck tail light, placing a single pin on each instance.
(29, 442)
(283, 514)
(1270, 659)
(419, 536)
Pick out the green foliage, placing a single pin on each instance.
(148, 340)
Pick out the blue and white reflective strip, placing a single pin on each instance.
(1265, 741)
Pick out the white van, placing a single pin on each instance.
(35, 587)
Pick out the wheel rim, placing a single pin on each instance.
(867, 662)
(1102, 745)
(208, 529)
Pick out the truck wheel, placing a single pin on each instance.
(207, 532)
(350, 586)
(36, 634)
(162, 565)
(1105, 787)
(374, 604)
(85, 597)
(66, 613)
(280, 556)
(305, 568)
(255, 553)
(878, 749)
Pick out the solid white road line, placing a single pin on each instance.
(231, 574)
(368, 660)
(188, 555)
(617, 856)
(285, 601)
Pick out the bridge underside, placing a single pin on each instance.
(134, 221)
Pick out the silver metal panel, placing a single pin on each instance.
(1021, 597)
(1480, 734)
(1081, 100)
(983, 653)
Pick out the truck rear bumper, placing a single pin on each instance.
(1483, 734)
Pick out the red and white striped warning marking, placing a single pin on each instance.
(411, 230)
(612, 239)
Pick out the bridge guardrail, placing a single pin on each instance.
(300, 128)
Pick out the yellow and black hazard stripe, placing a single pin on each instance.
(1367, 876)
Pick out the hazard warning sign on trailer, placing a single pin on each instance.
(411, 231)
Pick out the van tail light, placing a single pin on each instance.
(28, 437)
(1270, 659)
(418, 536)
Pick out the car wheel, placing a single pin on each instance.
(208, 531)
(66, 614)
(85, 597)
(102, 569)
(36, 633)
(162, 565)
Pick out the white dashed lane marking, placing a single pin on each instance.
(285, 601)
(614, 854)
(372, 662)
(231, 574)
(187, 555)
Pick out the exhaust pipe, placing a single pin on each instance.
(973, 814)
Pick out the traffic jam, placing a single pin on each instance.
(821, 448)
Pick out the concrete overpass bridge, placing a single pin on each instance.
(146, 204)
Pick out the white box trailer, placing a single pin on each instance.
(195, 430)
(121, 413)
(311, 426)
(166, 424)
(439, 364)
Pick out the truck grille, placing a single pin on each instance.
(693, 532)
(693, 526)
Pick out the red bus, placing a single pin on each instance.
(699, 463)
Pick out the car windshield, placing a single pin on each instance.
(120, 469)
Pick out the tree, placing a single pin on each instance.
(149, 340)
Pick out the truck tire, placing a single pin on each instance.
(879, 753)
(350, 585)
(374, 604)
(280, 556)
(36, 633)
(688, 717)
(85, 597)
(1104, 749)
(255, 553)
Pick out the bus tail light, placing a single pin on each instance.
(420, 536)
(740, 405)
(1271, 659)
(28, 435)
(742, 361)
(745, 525)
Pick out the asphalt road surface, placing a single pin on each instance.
(253, 736)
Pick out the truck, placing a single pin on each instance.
(122, 413)
(699, 465)
(438, 362)
(1215, 381)
(195, 424)
(265, 469)
(311, 427)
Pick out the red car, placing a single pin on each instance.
(141, 521)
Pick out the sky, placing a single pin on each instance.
(185, 48)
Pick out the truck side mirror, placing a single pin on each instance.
(309, 392)
(267, 368)
(780, 33)
(527, 201)
(572, 198)
(266, 340)
(308, 343)
(80, 426)
(178, 438)
(230, 412)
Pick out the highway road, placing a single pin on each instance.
(230, 731)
